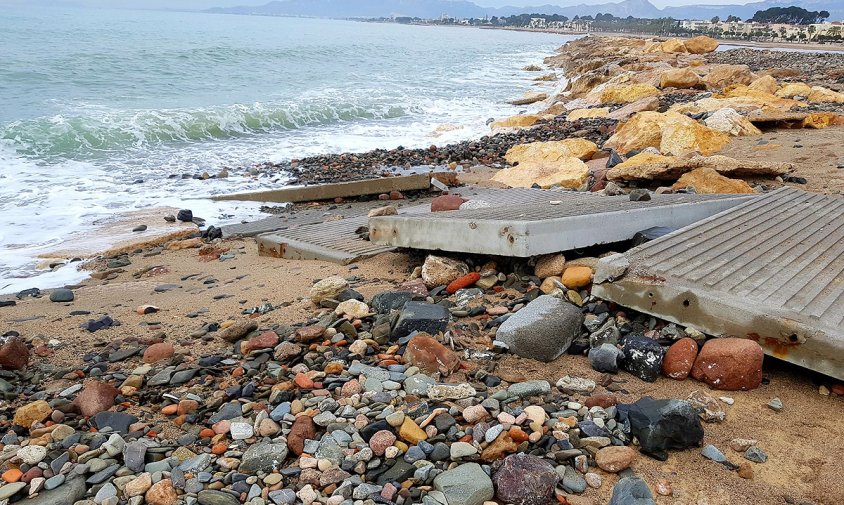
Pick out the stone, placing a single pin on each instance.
(431, 356)
(524, 479)
(158, 352)
(213, 497)
(466, 484)
(572, 480)
(138, 486)
(410, 432)
(662, 424)
(650, 103)
(679, 358)
(266, 340)
(61, 295)
(819, 94)
(307, 334)
(352, 309)
(700, 44)
(631, 491)
(708, 181)
(722, 76)
(765, 84)
(682, 135)
(550, 265)
(71, 491)
(442, 392)
(568, 172)
(729, 121)
(303, 429)
(388, 301)
(440, 271)
(656, 167)
(627, 93)
(679, 78)
(422, 317)
(328, 288)
(614, 459)
(595, 112)
(729, 364)
(238, 330)
(673, 45)
(577, 276)
(550, 152)
(529, 98)
(161, 493)
(571, 385)
(460, 450)
(380, 441)
(642, 357)
(94, 398)
(447, 202)
(605, 358)
(387, 210)
(32, 454)
(14, 354)
(709, 408)
(755, 455)
(518, 121)
(263, 457)
(543, 330)
(32, 413)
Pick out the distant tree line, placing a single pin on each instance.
(789, 15)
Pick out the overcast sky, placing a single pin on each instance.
(204, 4)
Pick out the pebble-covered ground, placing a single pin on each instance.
(826, 69)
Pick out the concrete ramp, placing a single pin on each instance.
(568, 221)
(771, 269)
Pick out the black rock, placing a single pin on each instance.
(93, 325)
(631, 491)
(399, 472)
(349, 294)
(185, 215)
(211, 233)
(33, 292)
(661, 425)
(605, 358)
(640, 195)
(590, 429)
(422, 317)
(140, 227)
(118, 421)
(7, 303)
(614, 159)
(373, 428)
(390, 300)
(61, 295)
(642, 357)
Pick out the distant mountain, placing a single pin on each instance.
(430, 9)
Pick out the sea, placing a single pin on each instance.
(102, 111)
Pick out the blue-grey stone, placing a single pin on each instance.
(631, 491)
(543, 330)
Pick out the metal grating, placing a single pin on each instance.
(575, 220)
(771, 269)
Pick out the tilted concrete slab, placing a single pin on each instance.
(569, 221)
(771, 269)
(339, 241)
(316, 192)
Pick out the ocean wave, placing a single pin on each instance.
(106, 131)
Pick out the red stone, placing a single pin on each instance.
(94, 398)
(380, 441)
(431, 356)
(416, 287)
(463, 282)
(308, 334)
(303, 381)
(396, 195)
(265, 340)
(303, 429)
(447, 202)
(525, 479)
(32, 473)
(680, 358)
(729, 364)
(603, 401)
(837, 389)
(158, 352)
(14, 354)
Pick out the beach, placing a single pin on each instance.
(191, 369)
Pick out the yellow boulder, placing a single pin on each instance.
(708, 181)
(642, 130)
(793, 89)
(820, 94)
(765, 84)
(673, 46)
(547, 152)
(678, 78)
(818, 120)
(721, 76)
(727, 120)
(518, 121)
(627, 93)
(701, 44)
(569, 173)
(682, 135)
(587, 113)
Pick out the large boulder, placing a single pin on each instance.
(721, 76)
(708, 181)
(529, 98)
(543, 330)
(661, 425)
(700, 44)
(594, 112)
(649, 103)
(440, 271)
(627, 93)
(518, 121)
(642, 130)
(550, 152)
(792, 89)
(729, 364)
(569, 173)
(679, 78)
(673, 46)
(820, 94)
(524, 479)
(729, 121)
(765, 84)
(655, 167)
(682, 135)
(466, 484)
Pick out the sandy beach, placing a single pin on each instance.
(193, 370)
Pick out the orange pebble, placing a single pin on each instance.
(219, 448)
(518, 435)
(12, 475)
(152, 434)
(170, 410)
(206, 433)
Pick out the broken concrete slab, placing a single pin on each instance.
(317, 192)
(770, 269)
(571, 221)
